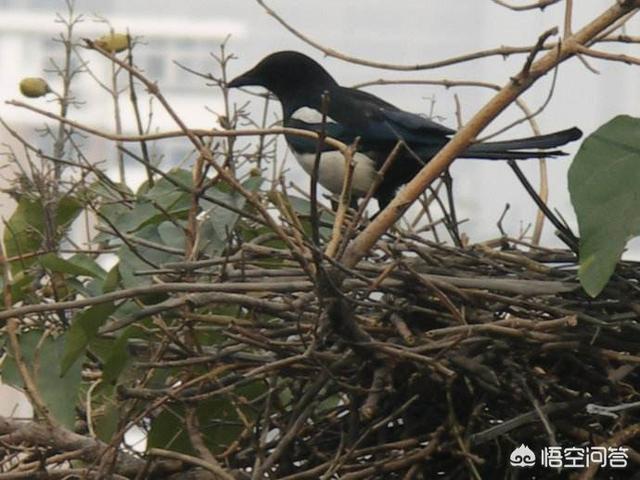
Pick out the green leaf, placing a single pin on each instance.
(154, 205)
(105, 399)
(141, 214)
(43, 356)
(84, 328)
(218, 418)
(91, 288)
(118, 358)
(144, 258)
(171, 235)
(111, 280)
(67, 211)
(26, 227)
(181, 181)
(89, 264)
(328, 404)
(167, 431)
(24, 232)
(107, 190)
(171, 192)
(56, 264)
(220, 221)
(302, 208)
(106, 424)
(604, 183)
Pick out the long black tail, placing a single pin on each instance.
(520, 148)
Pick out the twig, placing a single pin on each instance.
(541, 4)
(315, 229)
(29, 383)
(500, 51)
(170, 454)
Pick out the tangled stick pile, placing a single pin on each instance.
(482, 359)
(447, 359)
(425, 361)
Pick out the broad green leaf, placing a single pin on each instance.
(107, 190)
(286, 397)
(302, 207)
(106, 424)
(89, 264)
(141, 214)
(111, 280)
(118, 358)
(220, 221)
(144, 258)
(54, 263)
(24, 232)
(168, 431)
(153, 205)
(43, 357)
(84, 327)
(328, 404)
(219, 421)
(112, 212)
(67, 211)
(117, 370)
(171, 235)
(171, 193)
(104, 398)
(179, 180)
(91, 288)
(604, 183)
(25, 228)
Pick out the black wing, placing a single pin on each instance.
(379, 124)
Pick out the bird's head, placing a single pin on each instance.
(287, 75)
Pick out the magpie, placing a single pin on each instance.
(299, 83)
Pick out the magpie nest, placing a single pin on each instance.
(436, 362)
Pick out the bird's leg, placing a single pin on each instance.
(384, 197)
(352, 204)
(453, 219)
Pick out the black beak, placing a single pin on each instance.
(244, 80)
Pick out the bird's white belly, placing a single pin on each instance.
(332, 169)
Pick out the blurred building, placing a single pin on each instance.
(30, 45)
(31, 42)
